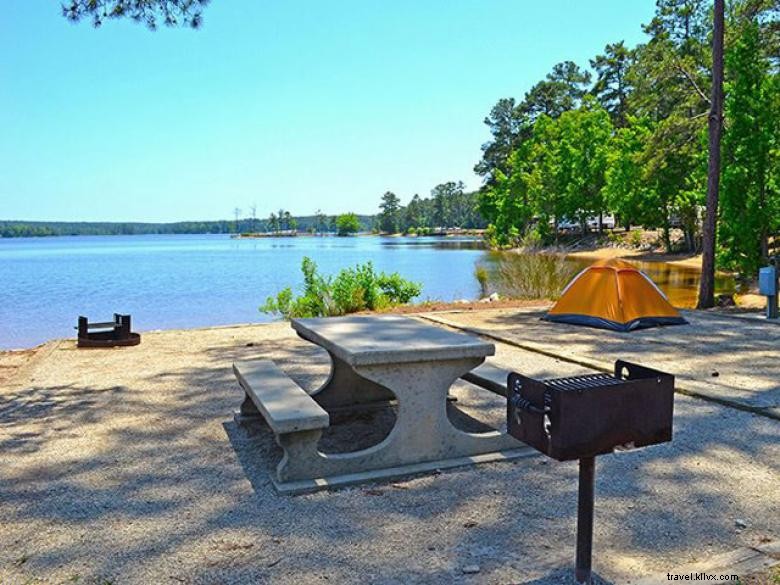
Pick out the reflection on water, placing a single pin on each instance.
(680, 284)
(436, 243)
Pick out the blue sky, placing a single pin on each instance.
(301, 105)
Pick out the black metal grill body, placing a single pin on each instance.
(584, 416)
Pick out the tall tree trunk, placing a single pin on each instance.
(707, 284)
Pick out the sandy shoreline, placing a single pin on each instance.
(692, 261)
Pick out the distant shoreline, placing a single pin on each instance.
(257, 235)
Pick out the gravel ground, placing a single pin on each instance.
(719, 355)
(125, 466)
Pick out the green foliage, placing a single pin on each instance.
(626, 192)
(750, 188)
(353, 289)
(640, 152)
(533, 276)
(613, 84)
(347, 224)
(320, 223)
(481, 274)
(559, 172)
(390, 217)
(396, 290)
(449, 206)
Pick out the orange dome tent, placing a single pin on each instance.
(613, 294)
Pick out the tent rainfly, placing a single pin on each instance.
(613, 294)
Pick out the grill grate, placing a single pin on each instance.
(585, 382)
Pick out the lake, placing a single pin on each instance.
(195, 280)
(187, 281)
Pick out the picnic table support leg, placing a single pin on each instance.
(422, 439)
(345, 388)
(422, 421)
(248, 411)
(300, 455)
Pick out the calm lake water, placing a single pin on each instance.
(195, 280)
(199, 280)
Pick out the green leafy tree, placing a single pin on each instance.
(414, 214)
(668, 75)
(273, 222)
(511, 123)
(626, 192)
(507, 204)
(506, 123)
(750, 194)
(347, 224)
(559, 92)
(390, 215)
(584, 139)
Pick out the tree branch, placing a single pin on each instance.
(689, 77)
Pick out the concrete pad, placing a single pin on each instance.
(291, 488)
(715, 356)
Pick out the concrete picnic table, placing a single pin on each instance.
(380, 358)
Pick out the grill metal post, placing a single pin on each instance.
(585, 520)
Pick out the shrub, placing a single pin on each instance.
(636, 238)
(351, 290)
(533, 276)
(396, 289)
(481, 274)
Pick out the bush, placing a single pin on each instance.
(635, 239)
(481, 274)
(534, 276)
(352, 290)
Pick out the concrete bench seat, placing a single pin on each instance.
(489, 377)
(284, 405)
(296, 420)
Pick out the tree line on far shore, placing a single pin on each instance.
(633, 139)
(449, 206)
(319, 223)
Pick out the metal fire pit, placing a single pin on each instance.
(585, 416)
(109, 334)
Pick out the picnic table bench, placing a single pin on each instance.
(375, 360)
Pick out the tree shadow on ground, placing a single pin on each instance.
(151, 480)
(728, 357)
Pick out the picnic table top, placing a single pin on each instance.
(388, 339)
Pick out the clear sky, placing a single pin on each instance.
(302, 104)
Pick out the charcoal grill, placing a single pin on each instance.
(108, 334)
(581, 417)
